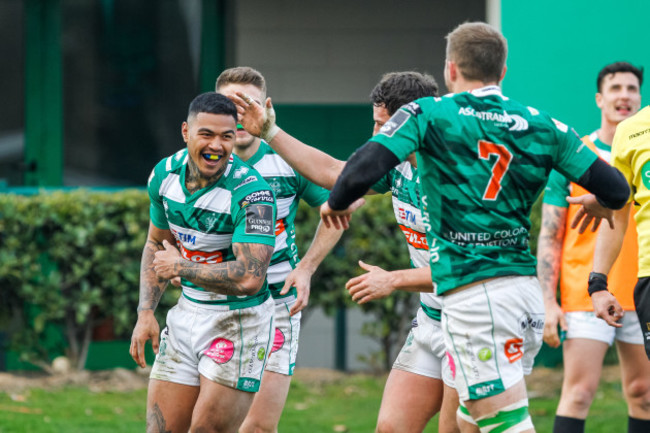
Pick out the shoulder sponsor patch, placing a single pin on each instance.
(259, 220)
(246, 181)
(265, 196)
(394, 123)
(413, 108)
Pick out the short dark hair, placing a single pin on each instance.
(212, 102)
(398, 88)
(615, 67)
(479, 50)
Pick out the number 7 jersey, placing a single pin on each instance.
(483, 160)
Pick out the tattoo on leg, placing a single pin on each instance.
(156, 421)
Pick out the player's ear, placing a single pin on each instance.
(185, 131)
(503, 73)
(599, 100)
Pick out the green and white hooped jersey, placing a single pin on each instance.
(483, 160)
(289, 187)
(238, 208)
(404, 184)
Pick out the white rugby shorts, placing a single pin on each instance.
(424, 351)
(229, 347)
(585, 324)
(282, 359)
(493, 331)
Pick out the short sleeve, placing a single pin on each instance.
(557, 189)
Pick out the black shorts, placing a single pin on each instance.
(642, 305)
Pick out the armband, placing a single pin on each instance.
(597, 282)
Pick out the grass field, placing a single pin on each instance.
(319, 402)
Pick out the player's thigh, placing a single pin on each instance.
(583, 362)
(447, 422)
(220, 408)
(170, 406)
(268, 403)
(635, 368)
(410, 400)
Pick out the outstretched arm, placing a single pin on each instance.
(151, 290)
(300, 278)
(608, 246)
(243, 276)
(378, 283)
(549, 255)
(315, 165)
(609, 191)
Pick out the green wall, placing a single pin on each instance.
(556, 49)
(335, 129)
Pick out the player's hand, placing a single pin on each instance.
(301, 280)
(165, 261)
(607, 308)
(146, 328)
(176, 281)
(553, 317)
(590, 211)
(339, 219)
(374, 284)
(255, 119)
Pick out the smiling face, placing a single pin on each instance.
(210, 139)
(244, 139)
(619, 97)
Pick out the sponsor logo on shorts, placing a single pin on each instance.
(248, 384)
(259, 220)
(514, 349)
(485, 354)
(532, 321)
(221, 350)
(260, 353)
(452, 364)
(278, 341)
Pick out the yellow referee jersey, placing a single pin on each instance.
(631, 155)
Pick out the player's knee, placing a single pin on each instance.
(513, 418)
(580, 395)
(638, 393)
(255, 427)
(385, 425)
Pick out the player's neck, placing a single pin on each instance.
(606, 132)
(245, 153)
(462, 85)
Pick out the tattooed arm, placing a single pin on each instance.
(549, 254)
(151, 290)
(243, 276)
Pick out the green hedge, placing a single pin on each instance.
(70, 260)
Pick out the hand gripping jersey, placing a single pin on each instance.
(483, 160)
(238, 208)
(289, 187)
(578, 249)
(631, 155)
(404, 184)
